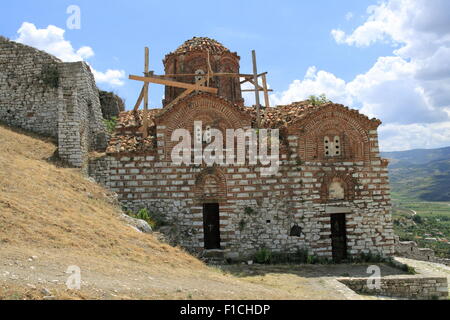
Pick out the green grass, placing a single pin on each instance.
(432, 221)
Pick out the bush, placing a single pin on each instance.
(368, 257)
(263, 256)
(154, 220)
(417, 219)
(249, 211)
(302, 255)
(318, 100)
(409, 269)
(110, 124)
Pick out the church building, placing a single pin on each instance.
(330, 193)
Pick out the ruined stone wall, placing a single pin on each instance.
(111, 104)
(28, 96)
(410, 249)
(409, 287)
(81, 127)
(41, 94)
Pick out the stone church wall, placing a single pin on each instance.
(257, 212)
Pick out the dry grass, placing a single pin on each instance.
(43, 206)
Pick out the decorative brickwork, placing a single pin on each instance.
(259, 211)
(192, 58)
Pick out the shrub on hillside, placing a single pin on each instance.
(154, 220)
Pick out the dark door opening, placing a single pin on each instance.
(211, 225)
(338, 237)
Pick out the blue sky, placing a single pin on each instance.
(362, 56)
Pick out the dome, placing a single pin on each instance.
(201, 44)
(189, 63)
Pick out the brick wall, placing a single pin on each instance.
(259, 211)
(190, 62)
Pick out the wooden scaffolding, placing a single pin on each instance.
(200, 85)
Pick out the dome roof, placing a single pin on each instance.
(201, 44)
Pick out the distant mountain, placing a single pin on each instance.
(417, 156)
(422, 174)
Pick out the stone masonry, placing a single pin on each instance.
(406, 287)
(410, 249)
(41, 94)
(329, 165)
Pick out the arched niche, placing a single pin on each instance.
(212, 112)
(336, 190)
(336, 187)
(210, 186)
(333, 135)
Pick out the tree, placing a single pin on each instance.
(318, 100)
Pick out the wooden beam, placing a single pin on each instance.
(145, 113)
(218, 74)
(210, 71)
(171, 83)
(139, 100)
(266, 95)
(253, 83)
(253, 90)
(184, 94)
(255, 79)
(249, 77)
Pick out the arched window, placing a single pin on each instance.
(207, 135)
(337, 146)
(332, 147)
(198, 134)
(327, 146)
(199, 75)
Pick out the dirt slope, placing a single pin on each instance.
(53, 217)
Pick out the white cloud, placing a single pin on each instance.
(409, 90)
(395, 137)
(51, 40)
(314, 83)
(85, 52)
(389, 91)
(112, 77)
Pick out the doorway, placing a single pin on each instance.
(211, 225)
(338, 237)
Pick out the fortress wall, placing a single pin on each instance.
(41, 94)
